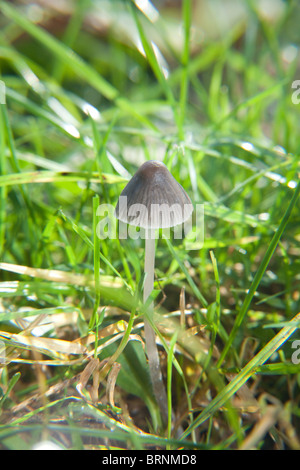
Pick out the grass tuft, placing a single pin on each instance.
(88, 93)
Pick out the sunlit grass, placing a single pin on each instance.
(86, 103)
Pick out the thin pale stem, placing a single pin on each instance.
(152, 351)
(149, 265)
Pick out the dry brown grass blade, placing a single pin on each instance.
(60, 276)
(53, 347)
(114, 328)
(92, 369)
(45, 345)
(92, 366)
(266, 422)
(111, 383)
(189, 341)
(245, 398)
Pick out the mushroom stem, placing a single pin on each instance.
(149, 264)
(152, 351)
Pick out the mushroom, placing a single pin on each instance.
(153, 199)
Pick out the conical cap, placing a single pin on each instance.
(153, 199)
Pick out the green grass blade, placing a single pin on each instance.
(75, 62)
(151, 57)
(2, 173)
(259, 274)
(169, 381)
(187, 14)
(192, 284)
(10, 386)
(253, 100)
(56, 177)
(94, 317)
(69, 129)
(250, 369)
(60, 51)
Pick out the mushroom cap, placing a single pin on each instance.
(153, 199)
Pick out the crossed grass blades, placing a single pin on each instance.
(86, 102)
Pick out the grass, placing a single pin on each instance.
(85, 103)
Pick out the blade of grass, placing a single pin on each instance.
(83, 234)
(177, 333)
(192, 284)
(69, 250)
(259, 274)
(217, 314)
(242, 377)
(56, 177)
(65, 127)
(111, 289)
(151, 57)
(2, 173)
(257, 98)
(75, 62)
(15, 163)
(33, 229)
(11, 385)
(94, 317)
(121, 432)
(71, 34)
(186, 13)
(121, 346)
(169, 381)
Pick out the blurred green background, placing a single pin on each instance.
(92, 90)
